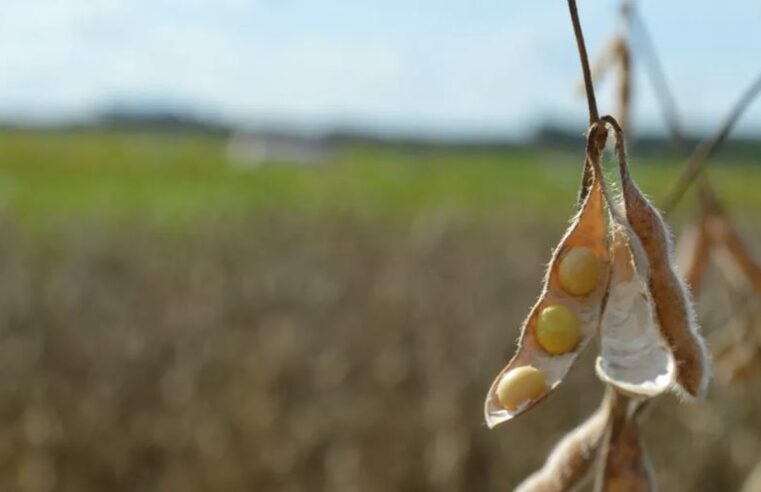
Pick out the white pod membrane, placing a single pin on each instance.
(634, 357)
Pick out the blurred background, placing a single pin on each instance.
(285, 245)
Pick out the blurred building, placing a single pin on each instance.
(252, 150)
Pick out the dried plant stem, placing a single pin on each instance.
(625, 86)
(665, 96)
(706, 149)
(586, 178)
(604, 61)
(617, 54)
(569, 464)
(622, 460)
(582, 47)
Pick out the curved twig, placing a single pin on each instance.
(707, 148)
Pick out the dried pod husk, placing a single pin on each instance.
(693, 252)
(634, 357)
(588, 232)
(627, 466)
(568, 465)
(674, 308)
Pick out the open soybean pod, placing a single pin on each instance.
(569, 464)
(674, 309)
(634, 357)
(565, 318)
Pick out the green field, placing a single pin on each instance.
(178, 180)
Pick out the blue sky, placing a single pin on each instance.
(439, 67)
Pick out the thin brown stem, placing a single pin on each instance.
(707, 148)
(584, 58)
(625, 86)
(586, 178)
(619, 404)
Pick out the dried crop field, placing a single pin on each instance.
(183, 333)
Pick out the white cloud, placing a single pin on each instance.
(390, 66)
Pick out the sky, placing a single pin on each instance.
(484, 68)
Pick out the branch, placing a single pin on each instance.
(586, 178)
(584, 58)
(707, 148)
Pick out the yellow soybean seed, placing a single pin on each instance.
(579, 271)
(520, 385)
(558, 330)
